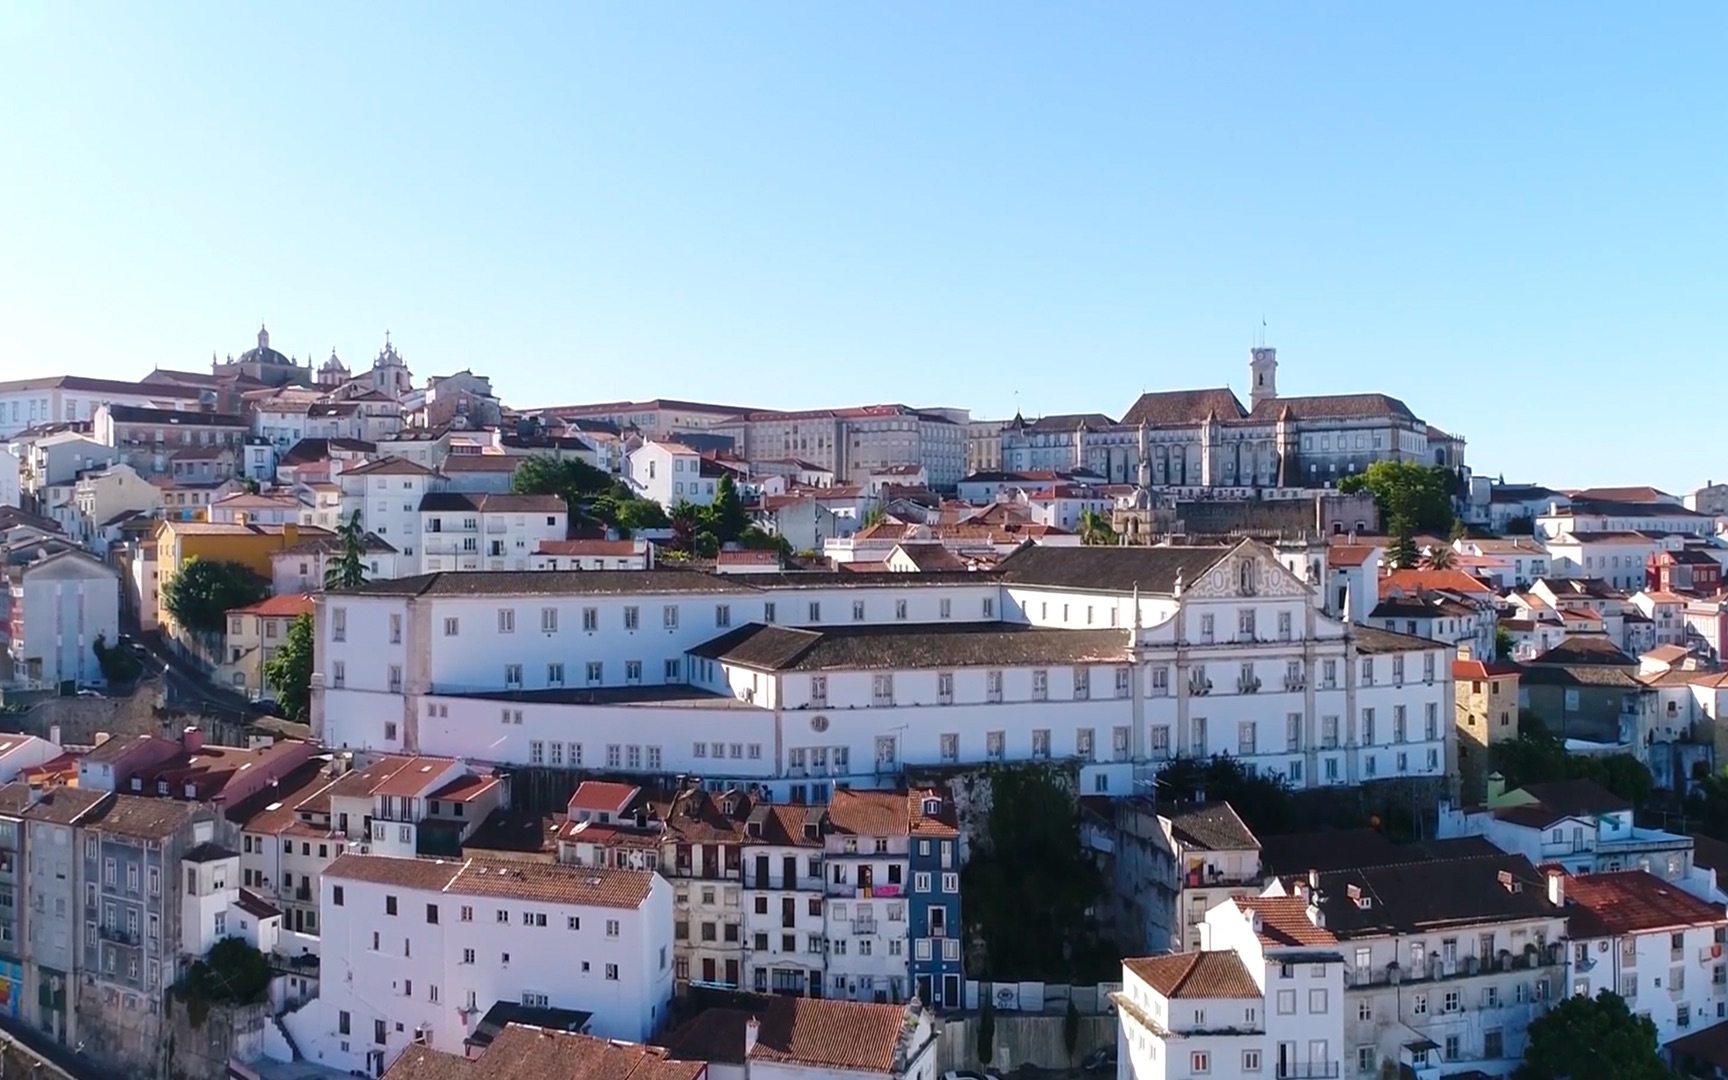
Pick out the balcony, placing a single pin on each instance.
(864, 926)
(117, 935)
(1433, 969)
(1308, 1070)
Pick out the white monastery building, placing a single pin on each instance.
(1119, 658)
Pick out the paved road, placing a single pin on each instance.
(186, 686)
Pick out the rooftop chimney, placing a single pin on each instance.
(752, 1028)
(1557, 888)
(192, 739)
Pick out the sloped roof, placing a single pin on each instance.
(1212, 826)
(1633, 902)
(892, 645)
(1154, 570)
(814, 1032)
(1175, 408)
(1196, 975)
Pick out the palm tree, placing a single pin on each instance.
(1095, 530)
(1440, 558)
(348, 569)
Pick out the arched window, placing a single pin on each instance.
(1245, 576)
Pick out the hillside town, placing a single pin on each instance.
(1210, 736)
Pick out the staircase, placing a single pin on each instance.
(282, 1029)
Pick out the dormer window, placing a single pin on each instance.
(932, 807)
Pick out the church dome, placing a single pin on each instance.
(334, 364)
(264, 354)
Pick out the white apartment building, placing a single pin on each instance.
(593, 555)
(387, 493)
(1460, 946)
(1253, 1002)
(672, 473)
(1658, 947)
(1597, 516)
(855, 442)
(1216, 857)
(300, 567)
(26, 403)
(1514, 561)
(1618, 558)
(826, 678)
(463, 531)
(1579, 825)
(417, 950)
(59, 606)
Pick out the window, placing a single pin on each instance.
(395, 629)
(1200, 1061)
(513, 675)
(900, 610)
(338, 674)
(336, 895)
(611, 972)
(945, 687)
(882, 689)
(549, 620)
(1250, 1061)
(993, 685)
(590, 618)
(389, 905)
(669, 617)
(1082, 683)
(944, 608)
(1418, 1004)
(723, 615)
(555, 674)
(506, 620)
(1317, 1002)
(338, 624)
(1040, 685)
(1286, 1003)
(815, 611)
(857, 611)
(632, 618)
(596, 673)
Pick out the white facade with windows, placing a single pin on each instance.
(417, 949)
(1659, 949)
(671, 473)
(460, 531)
(666, 671)
(387, 495)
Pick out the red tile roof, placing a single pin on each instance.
(587, 547)
(1479, 669)
(546, 882)
(521, 1051)
(1341, 555)
(598, 796)
(1284, 922)
(413, 777)
(823, 1034)
(1633, 902)
(465, 789)
(286, 606)
(1196, 975)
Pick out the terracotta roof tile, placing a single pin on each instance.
(1632, 902)
(286, 606)
(547, 883)
(819, 1033)
(1284, 922)
(1196, 975)
(522, 1051)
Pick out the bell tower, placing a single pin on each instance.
(1262, 375)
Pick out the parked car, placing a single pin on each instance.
(1102, 1059)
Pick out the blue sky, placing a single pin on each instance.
(1511, 216)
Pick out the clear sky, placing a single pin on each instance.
(1509, 215)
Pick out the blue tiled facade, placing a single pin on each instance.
(933, 908)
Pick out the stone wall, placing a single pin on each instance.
(80, 720)
(200, 1040)
(1020, 1040)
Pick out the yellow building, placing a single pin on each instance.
(240, 542)
(1486, 693)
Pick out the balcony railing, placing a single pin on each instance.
(1434, 969)
(1308, 1070)
(117, 935)
(864, 926)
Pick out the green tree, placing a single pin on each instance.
(1095, 529)
(1026, 893)
(1503, 643)
(118, 665)
(873, 516)
(289, 672)
(986, 1048)
(1537, 756)
(200, 594)
(1419, 495)
(348, 569)
(578, 483)
(232, 971)
(1401, 554)
(1592, 1039)
(1440, 558)
(727, 517)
